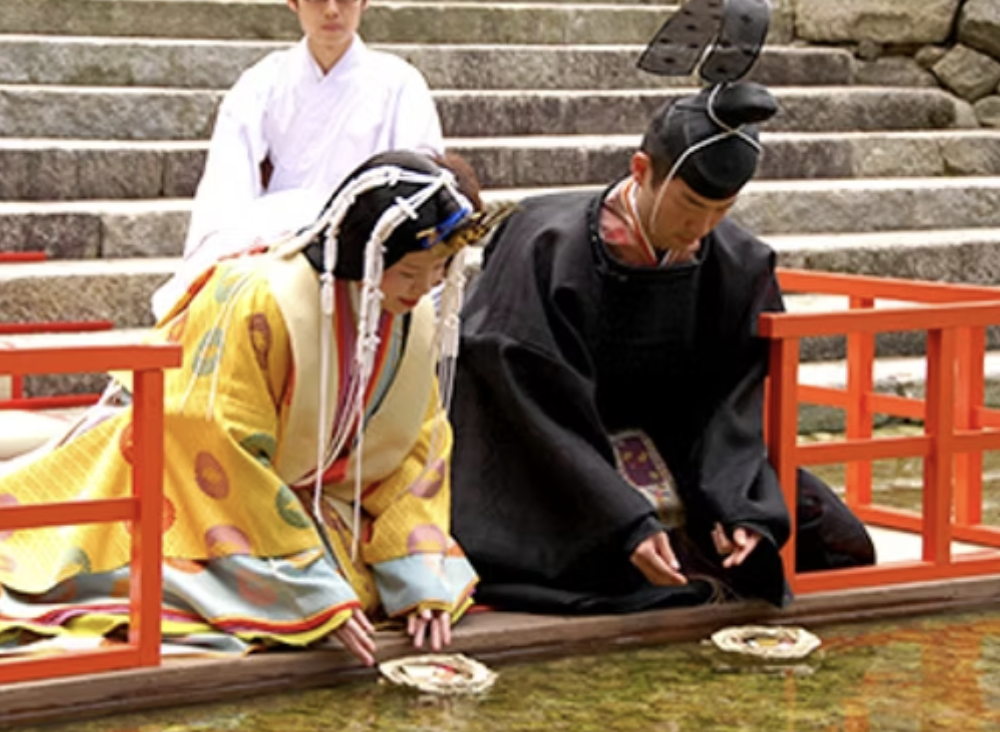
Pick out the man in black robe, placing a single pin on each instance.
(632, 311)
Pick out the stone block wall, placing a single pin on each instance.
(953, 44)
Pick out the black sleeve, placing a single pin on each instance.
(549, 450)
(737, 480)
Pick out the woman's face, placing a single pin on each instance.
(409, 279)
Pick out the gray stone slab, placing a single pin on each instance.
(66, 170)
(770, 208)
(553, 161)
(396, 22)
(882, 21)
(155, 62)
(60, 234)
(988, 111)
(969, 256)
(104, 113)
(199, 64)
(845, 206)
(803, 207)
(56, 170)
(967, 72)
(803, 109)
(115, 290)
(603, 67)
(893, 71)
(94, 229)
(979, 26)
(166, 114)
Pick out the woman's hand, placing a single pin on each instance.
(356, 636)
(435, 624)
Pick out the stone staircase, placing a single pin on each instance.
(106, 107)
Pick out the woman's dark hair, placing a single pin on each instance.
(367, 209)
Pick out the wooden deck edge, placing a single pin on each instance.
(493, 637)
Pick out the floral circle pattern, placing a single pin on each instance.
(426, 538)
(431, 482)
(224, 541)
(211, 476)
(260, 337)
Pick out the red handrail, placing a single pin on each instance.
(17, 399)
(955, 418)
(144, 508)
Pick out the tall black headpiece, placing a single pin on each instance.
(732, 31)
(710, 140)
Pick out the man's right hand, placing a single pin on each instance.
(655, 559)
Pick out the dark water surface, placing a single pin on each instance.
(927, 674)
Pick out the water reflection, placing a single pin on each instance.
(932, 674)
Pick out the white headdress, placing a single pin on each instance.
(427, 194)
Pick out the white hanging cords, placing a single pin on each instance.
(446, 350)
(369, 311)
(727, 132)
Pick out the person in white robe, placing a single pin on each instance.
(293, 127)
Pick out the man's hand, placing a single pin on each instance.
(655, 559)
(737, 548)
(435, 624)
(356, 636)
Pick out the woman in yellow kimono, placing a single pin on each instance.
(283, 522)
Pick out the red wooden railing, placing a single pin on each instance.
(144, 508)
(957, 425)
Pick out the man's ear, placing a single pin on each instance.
(293, 4)
(641, 167)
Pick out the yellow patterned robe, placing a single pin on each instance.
(242, 554)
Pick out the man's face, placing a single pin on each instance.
(329, 25)
(682, 217)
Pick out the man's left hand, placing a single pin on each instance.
(737, 548)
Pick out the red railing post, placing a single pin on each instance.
(970, 397)
(782, 431)
(860, 384)
(939, 425)
(146, 568)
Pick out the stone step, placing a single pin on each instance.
(383, 22)
(199, 64)
(55, 170)
(869, 205)
(847, 206)
(962, 256)
(95, 229)
(155, 228)
(581, 159)
(119, 290)
(141, 113)
(802, 109)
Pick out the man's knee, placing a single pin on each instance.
(828, 535)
